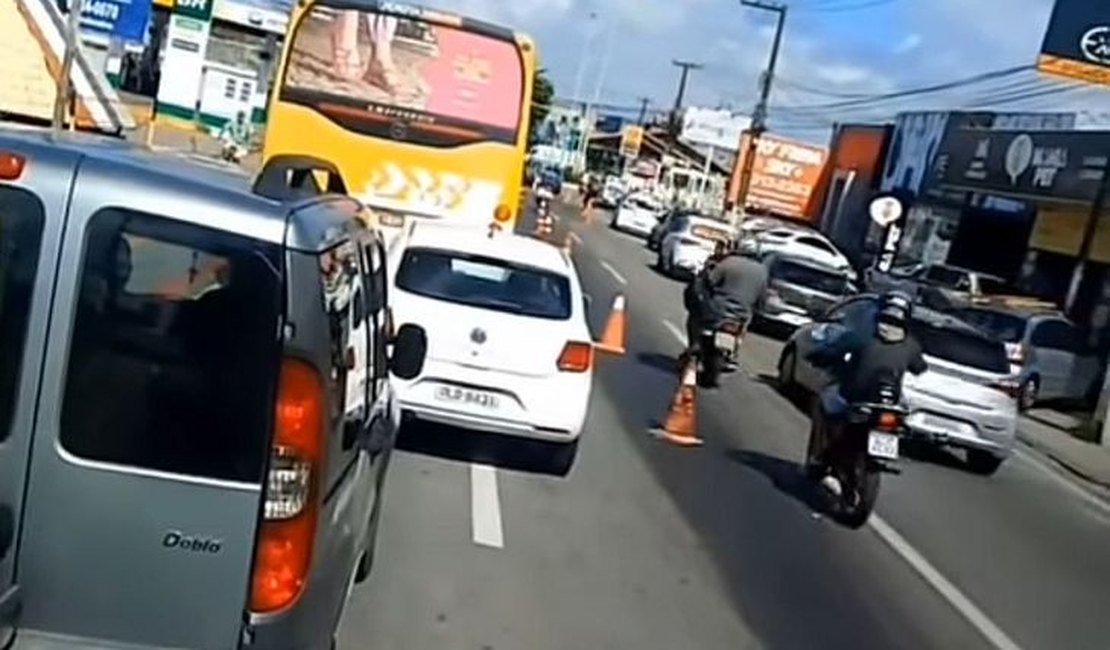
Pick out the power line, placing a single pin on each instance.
(911, 92)
(857, 6)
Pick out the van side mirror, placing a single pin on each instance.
(410, 347)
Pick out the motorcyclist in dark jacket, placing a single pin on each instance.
(731, 283)
(862, 356)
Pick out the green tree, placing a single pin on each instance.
(543, 93)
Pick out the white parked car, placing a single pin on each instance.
(688, 242)
(509, 350)
(967, 399)
(637, 214)
(803, 243)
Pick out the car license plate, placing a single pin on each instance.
(457, 395)
(883, 445)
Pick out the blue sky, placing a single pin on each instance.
(832, 46)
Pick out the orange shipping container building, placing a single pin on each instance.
(785, 177)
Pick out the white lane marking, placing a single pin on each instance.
(1056, 476)
(949, 591)
(575, 238)
(613, 272)
(485, 507)
(676, 331)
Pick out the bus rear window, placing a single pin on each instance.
(362, 65)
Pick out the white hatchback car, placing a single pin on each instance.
(638, 214)
(688, 243)
(509, 349)
(966, 400)
(806, 244)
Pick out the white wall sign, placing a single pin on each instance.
(719, 129)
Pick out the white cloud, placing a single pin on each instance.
(908, 44)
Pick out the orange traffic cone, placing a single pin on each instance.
(616, 328)
(680, 427)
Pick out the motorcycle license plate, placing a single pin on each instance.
(883, 445)
(724, 341)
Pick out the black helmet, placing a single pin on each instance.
(896, 308)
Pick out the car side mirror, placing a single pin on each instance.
(410, 348)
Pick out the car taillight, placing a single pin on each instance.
(1016, 353)
(888, 421)
(576, 357)
(289, 514)
(1010, 388)
(11, 165)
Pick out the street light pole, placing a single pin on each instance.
(686, 67)
(644, 102)
(596, 97)
(759, 117)
(62, 96)
(580, 76)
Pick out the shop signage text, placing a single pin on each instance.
(126, 20)
(199, 9)
(888, 211)
(1061, 165)
(784, 175)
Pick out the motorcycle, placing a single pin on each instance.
(866, 446)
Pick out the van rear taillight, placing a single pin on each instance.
(288, 527)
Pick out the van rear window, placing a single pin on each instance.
(175, 349)
(21, 223)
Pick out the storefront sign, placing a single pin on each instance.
(198, 9)
(126, 20)
(889, 212)
(719, 129)
(631, 139)
(266, 16)
(1060, 165)
(917, 138)
(1077, 44)
(784, 176)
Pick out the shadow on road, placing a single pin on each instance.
(788, 477)
(503, 452)
(661, 362)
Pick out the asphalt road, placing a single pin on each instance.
(646, 546)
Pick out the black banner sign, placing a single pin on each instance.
(1060, 165)
(1077, 44)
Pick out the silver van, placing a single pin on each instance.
(195, 416)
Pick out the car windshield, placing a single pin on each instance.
(962, 348)
(1010, 328)
(810, 277)
(485, 282)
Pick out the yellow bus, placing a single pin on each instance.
(423, 113)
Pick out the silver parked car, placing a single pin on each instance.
(1048, 353)
(197, 416)
(800, 290)
(965, 400)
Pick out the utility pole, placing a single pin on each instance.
(685, 67)
(644, 103)
(759, 117)
(62, 96)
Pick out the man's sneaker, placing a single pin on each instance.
(832, 484)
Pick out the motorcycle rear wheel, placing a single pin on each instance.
(860, 492)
